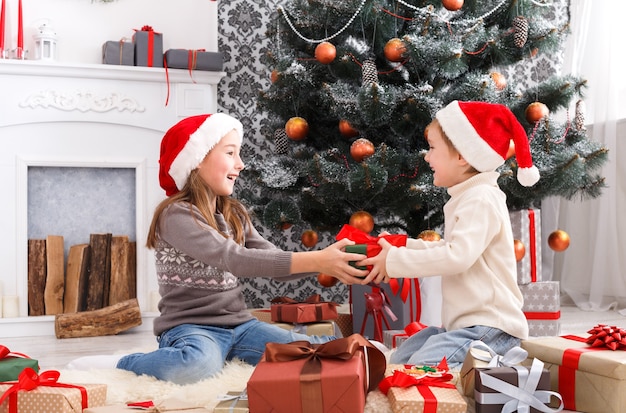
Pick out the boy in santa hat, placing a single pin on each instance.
(204, 242)
(480, 298)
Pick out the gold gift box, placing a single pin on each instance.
(49, 399)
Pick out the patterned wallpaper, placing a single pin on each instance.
(242, 26)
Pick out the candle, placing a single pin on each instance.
(10, 306)
(20, 32)
(2, 29)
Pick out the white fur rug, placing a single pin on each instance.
(124, 386)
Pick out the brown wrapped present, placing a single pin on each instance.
(233, 402)
(422, 389)
(287, 310)
(42, 393)
(168, 405)
(516, 388)
(300, 377)
(590, 379)
(481, 355)
(324, 328)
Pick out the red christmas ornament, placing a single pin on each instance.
(309, 238)
(520, 249)
(326, 280)
(347, 130)
(325, 52)
(363, 221)
(558, 240)
(452, 5)
(361, 149)
(395, 49)
(297, 128)
(536, 111)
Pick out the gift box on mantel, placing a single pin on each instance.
(288, 310)
(515, 389)
(422, 389)
(148, 47)
(171, 405)
(119, 52)
(331, 377)
(42, 393)
(590, 378)
(526, 225)
(322, 328)
(194, 59)
(542, 307)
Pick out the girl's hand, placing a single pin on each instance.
(378, 273)
(336, 262)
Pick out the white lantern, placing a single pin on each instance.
(45, 43)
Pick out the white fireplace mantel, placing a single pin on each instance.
(97, 115)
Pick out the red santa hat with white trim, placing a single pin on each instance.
(482, 132)
(185, 145)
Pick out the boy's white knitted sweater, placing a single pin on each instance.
(475, 258)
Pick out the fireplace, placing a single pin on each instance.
(85, 118)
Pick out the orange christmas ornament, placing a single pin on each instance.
(559, 240)
(325, 52)
(395, 49)
(452, 5)
(326, 280)
(347, 130)
(363, 221)
(520, 249)
(309, 238)
(536, 111)
(499, 80)
(361, 149)
(274, 76)
(511, 150)
(429, 235)
(297, 128)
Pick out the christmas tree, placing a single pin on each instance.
(356, 82)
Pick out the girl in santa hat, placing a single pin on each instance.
(481, 300)
(204, 242)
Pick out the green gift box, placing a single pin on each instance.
(12, 364)
(358, 249)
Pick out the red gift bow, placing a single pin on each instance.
(5, 352)
(404, 380)
(28, 380)
(341, 348)
(612, 337)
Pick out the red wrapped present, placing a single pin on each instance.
(311, 310)
(42, 393)
(331, 377)
(590, 379)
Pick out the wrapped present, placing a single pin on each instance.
(526, 225)
(148, 47)
(481, 355)
(287, 310)
(515, 389)
(323, 328)
(12, 364)
(301, 377)
(344, 320)
(393, 338)
(168, 405)
(542, 307)
(590, 379)
(43, 393)
(365, 243)
(233, 402)
(194, 59)
(120, 52)
(422, 389)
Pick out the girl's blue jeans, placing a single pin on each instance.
(430, 345)
(189, 353)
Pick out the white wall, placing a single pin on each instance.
(82, 26)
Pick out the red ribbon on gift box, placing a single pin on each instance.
(28, 380)
(533, 246)
(151, 33)
(423, 384)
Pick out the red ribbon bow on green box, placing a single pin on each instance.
(367, 244)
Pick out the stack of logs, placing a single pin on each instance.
(88, 294)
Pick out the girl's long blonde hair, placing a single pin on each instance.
(198, 194)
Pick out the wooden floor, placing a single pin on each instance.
(56, 353)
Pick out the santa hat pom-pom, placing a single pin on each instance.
(528, 176)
